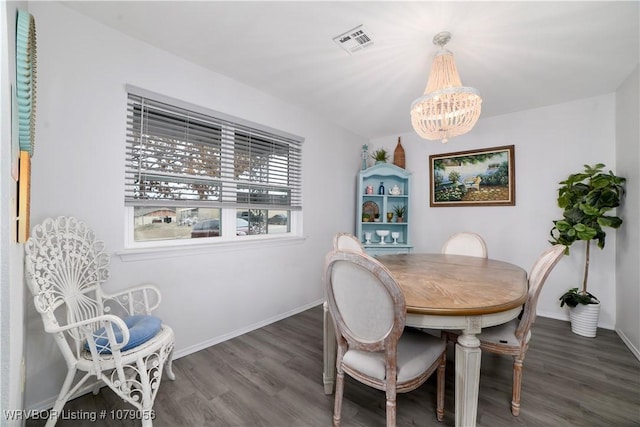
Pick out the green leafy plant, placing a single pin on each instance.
(572, 298)
(380, 155)
(400, 210)
(586, 198)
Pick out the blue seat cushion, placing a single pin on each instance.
(141, 327)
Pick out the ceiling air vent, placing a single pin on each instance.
(354, 40)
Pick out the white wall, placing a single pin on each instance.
(627, 249)
(550, 143)
(78, 170)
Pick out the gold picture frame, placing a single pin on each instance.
(484, 177)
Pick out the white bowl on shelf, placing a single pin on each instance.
(395, 235)
(382, 234)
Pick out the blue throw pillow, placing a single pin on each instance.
(141, 329)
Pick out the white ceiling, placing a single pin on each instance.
(520, 55)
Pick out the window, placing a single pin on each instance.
(194, 173)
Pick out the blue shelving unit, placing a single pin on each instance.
(392, 178)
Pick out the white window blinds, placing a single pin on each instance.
(176, 156)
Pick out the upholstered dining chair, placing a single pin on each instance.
(465, 243)
(512, 338)
(369, 311)
(113, 338)
(348, 241)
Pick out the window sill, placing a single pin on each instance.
(141, 254)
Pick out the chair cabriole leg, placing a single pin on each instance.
(391, 409)
(440, 387)
(517, 384)
(337, 409)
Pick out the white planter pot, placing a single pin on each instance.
(584, 319)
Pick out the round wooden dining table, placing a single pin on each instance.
(450, 292)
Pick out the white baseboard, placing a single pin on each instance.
(216, 340)
(623, 337)
(566, 319)
(627, 341)
(552, 315)
(48, 403)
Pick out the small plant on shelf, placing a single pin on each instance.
(380, 155)
(400, 211)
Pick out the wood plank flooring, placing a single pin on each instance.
(272, 377)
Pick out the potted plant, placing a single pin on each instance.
(380, 155)
(400, 211)
(586, 198)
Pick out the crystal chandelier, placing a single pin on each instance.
(447, 108)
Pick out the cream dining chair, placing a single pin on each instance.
(369, 311)
(113, 338)
(465, 243)
(512, 338)
(341, 241)
(348, 241)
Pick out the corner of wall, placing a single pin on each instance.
(627, 269)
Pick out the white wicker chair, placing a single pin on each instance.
(65, 267)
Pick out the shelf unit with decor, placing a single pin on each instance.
(368, 204)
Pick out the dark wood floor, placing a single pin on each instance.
(273, 377)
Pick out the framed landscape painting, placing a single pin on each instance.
(483, 177)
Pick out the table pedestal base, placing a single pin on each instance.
(468, 357)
